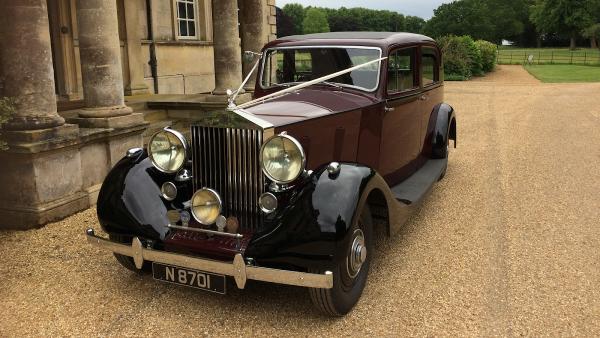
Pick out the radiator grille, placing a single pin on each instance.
(227, 160)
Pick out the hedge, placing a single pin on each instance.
(465, 58)
(488, 55)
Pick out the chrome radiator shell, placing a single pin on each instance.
(227, 160)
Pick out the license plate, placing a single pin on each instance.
(192, 278)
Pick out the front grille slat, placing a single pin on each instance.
(226, 160)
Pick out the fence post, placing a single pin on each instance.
(585, 58)
(552, 58)
(539, 56)
(571, 62)
(510, 63)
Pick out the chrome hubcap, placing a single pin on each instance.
(357, 254)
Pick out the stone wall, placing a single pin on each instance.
(181, 66)
(184, 66)
(272, 20)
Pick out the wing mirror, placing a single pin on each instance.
(250, 55)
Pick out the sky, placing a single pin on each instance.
(422, 8)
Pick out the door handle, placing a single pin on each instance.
(388, 109)
(423, 97)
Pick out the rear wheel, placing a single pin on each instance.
(350, 276)
(127, 261)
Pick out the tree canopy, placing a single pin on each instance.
(351, 19)
(565, 16)
(525, 22)
(295, 13)
(491, 20)
(315, 21)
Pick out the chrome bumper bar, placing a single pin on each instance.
(237, 269)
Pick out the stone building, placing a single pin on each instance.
(73, 67)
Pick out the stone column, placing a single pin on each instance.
(26, 71)
(100, 54)
(255, 30)
(136, 83)
(228, 53)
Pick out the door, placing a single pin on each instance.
(400, 133)
(61, 16)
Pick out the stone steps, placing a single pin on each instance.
(153, 115)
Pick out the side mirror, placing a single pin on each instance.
(249, 55)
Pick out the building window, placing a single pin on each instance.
(186, 19)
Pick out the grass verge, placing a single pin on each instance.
(564, 73)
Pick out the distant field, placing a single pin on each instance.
(582, 56)
(565, 73)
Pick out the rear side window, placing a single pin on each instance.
(401, 70)
(429, 66)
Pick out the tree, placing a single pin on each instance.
(285, 25)
(413, 24)
(563, 16)
(315, 21)
(296, 14)
(491, 20)
(593, 33)
(466, 17)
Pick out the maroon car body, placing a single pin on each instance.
(390, 131)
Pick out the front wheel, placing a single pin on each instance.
(349, 276)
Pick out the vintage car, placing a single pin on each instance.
(344, 128)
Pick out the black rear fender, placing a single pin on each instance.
(444, 129)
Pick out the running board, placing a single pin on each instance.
(413, 189)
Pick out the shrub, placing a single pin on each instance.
(456, 58)
(475, 61)
(464, 58)
(488, 54)
(7, 109)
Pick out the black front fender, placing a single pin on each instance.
(130, 201)
(311, 226)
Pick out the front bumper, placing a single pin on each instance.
(238, 269)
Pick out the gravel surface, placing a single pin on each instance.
(508, 244)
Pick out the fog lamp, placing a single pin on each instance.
(267, 202)
(169, 191)
(206, 206)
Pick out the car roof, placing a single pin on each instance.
(379, 39)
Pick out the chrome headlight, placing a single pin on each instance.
(282, 158)
(167, 150)
(206, 206)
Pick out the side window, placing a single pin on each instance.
(303, 66)
(429, 66)
(401, 70)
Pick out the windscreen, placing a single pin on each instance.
(289, 66)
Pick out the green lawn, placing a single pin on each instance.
(514, 55)
(564, 73)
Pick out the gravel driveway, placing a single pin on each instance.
(507, 244)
